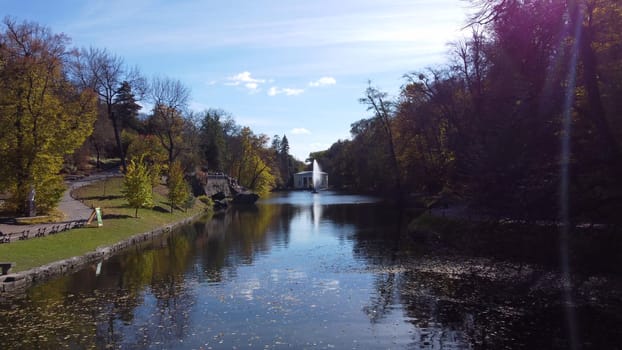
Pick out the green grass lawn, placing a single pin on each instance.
(118, 223)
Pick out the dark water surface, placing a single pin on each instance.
(304, 270)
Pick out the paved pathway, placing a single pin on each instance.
(74, 211)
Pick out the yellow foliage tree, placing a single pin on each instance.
(252, 171)
(137, 186)
(43, 117)
(177, 187)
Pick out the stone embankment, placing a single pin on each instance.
(17, 283)
(222, 189)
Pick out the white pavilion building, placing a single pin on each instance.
(304, 180)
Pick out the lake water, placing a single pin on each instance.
(302, 270)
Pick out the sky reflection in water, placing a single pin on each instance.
(298, 270)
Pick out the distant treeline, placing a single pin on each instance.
(490, 126)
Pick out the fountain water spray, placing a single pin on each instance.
(317, 177)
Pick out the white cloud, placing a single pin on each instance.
(300, 131)
(323, 81)
(273, 91)
(293, 92)
(246, 79)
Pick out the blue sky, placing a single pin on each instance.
(288, 67)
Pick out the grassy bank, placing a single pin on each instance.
(118, 219)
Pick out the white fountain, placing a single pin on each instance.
(317, 177)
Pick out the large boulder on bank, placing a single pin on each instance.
(212, 185)
(218, 196)
(245, 198)
(220, 205)
(218, 185)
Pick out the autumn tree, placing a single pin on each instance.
(191, 156)
(114, 83)
(597, 126)
(102, 139)
(251, 165)
(43, 116)
(137, 187)
(370, 158)
(592, 28)
(561, 57)
(149, 149)
(170, 99)
(424, 131)
(178, 191)
(377, 102)
(488, 126)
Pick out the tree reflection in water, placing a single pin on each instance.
(300, 272)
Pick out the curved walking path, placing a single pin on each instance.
(72, 209)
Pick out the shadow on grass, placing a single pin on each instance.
(116, 216)
(160, 209)
(100, 198)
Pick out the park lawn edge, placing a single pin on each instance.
(16, 284)
(119, 224)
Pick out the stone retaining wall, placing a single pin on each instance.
(17, 283)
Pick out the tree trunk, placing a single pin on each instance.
(383, 113)
(117, 137)
(169, 146)
(98, 152)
